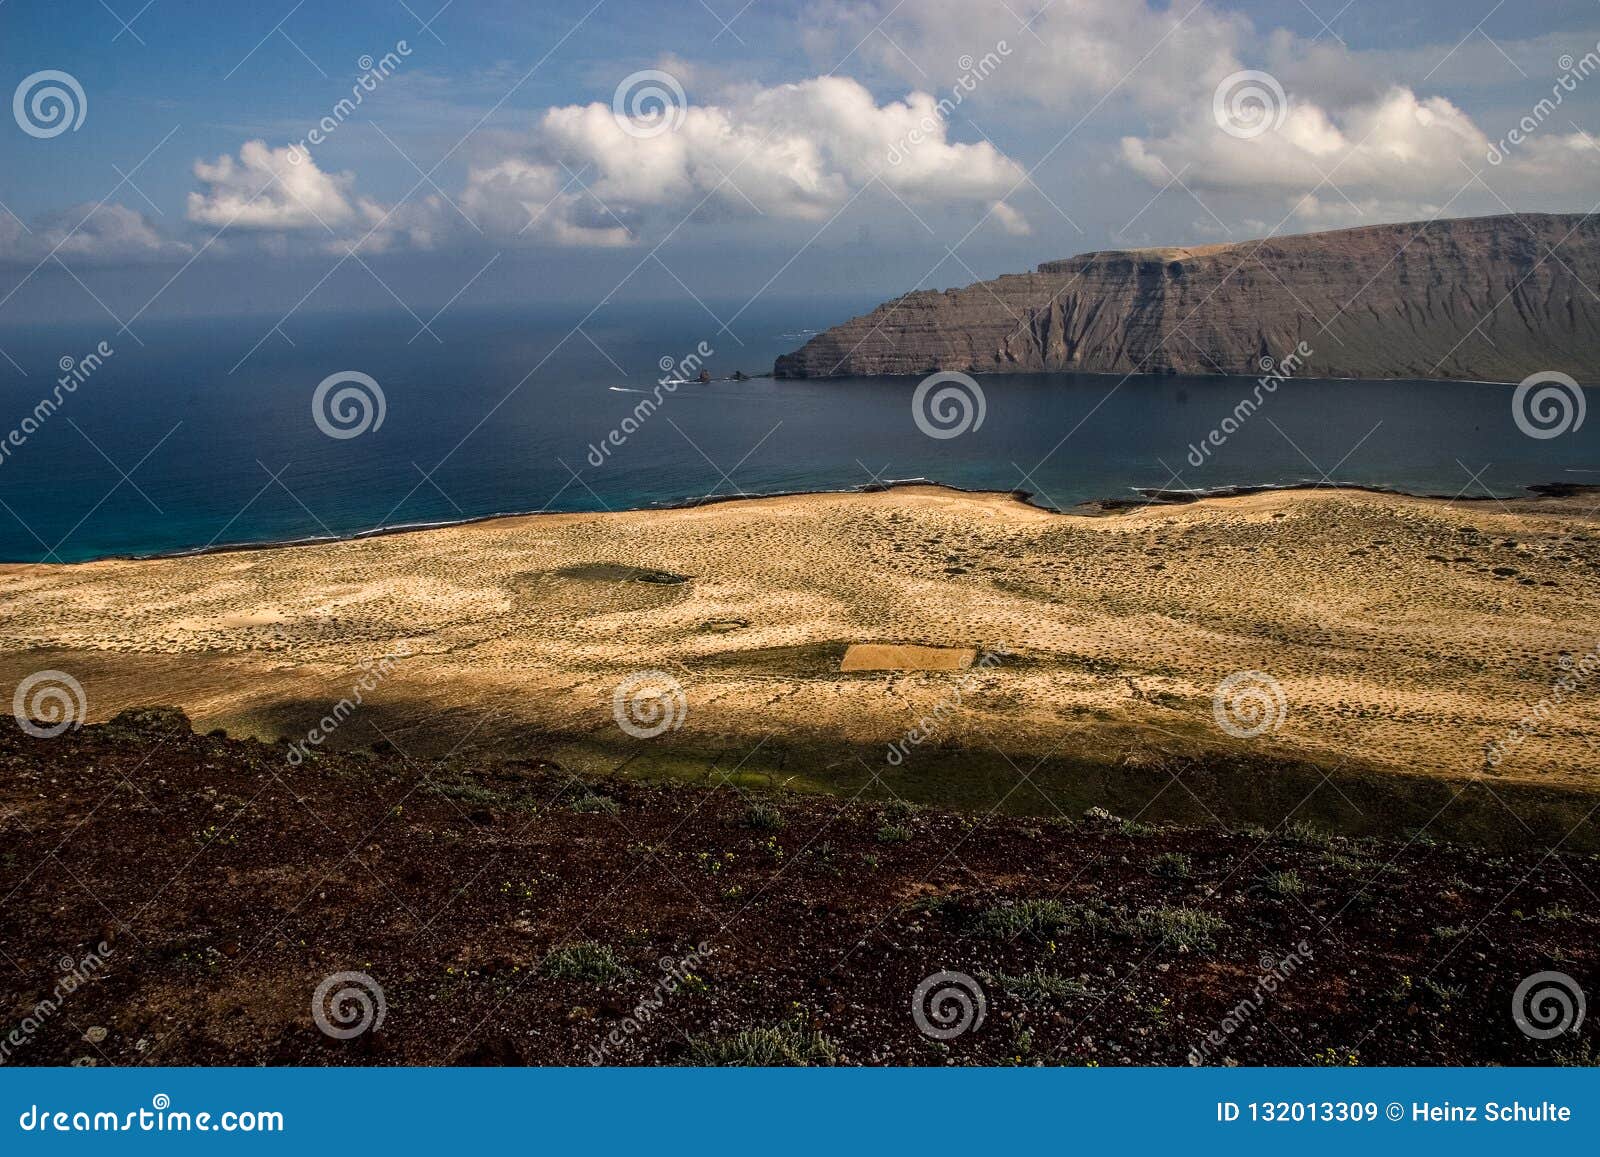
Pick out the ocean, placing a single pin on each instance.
(207, 435)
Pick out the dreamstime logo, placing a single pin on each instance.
(347, 1004)
(649, 103)
(948, 404)
(155, 1119)
(649, 703)
(931, 125)
(675, 973)
(1248, 103)
(373, 672)
(1573, 73)
(1548, 1004)
(1575, 675)
(74, 372)
(1548, 404)
(47, 703)
(74, 975)
(351, 411)
(56, 104)
(947, 1004)
(1275, 973)
(930, 723)
(674, 373)
(1274, 372)
(373, 73)
(1248, 704)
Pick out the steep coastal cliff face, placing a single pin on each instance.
(1493, 298)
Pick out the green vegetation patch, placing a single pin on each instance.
(1287, 883)
(791, 1044)
(1043, 918)
(764, 817)
(585, 960)
(1181, 927)
(1037, 986)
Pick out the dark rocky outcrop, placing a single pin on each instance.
(1493, 298)
(171, 720)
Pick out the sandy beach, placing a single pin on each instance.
(1406, 635)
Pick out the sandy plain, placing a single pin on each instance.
(1402, 637)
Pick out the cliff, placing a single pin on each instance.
(1492, 298)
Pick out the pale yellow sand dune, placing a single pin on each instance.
(1403, 633)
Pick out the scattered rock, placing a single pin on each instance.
(172, 720)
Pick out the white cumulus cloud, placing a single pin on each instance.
(1366, 136)
(793, 151)
(1396, 155)
(582, 176)
(93, 233)
(273, 189)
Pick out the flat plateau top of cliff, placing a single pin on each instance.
(1509, 227)
(1156, 252)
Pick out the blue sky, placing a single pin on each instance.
(1095, 128)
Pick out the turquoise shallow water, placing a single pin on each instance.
(512, 411)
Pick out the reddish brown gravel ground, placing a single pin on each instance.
(227, 885)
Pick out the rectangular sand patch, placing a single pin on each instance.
(888, 657)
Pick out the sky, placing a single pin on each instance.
(174, 158)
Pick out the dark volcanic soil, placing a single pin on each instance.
(229, 884)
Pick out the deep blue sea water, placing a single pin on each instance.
(455, 409)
